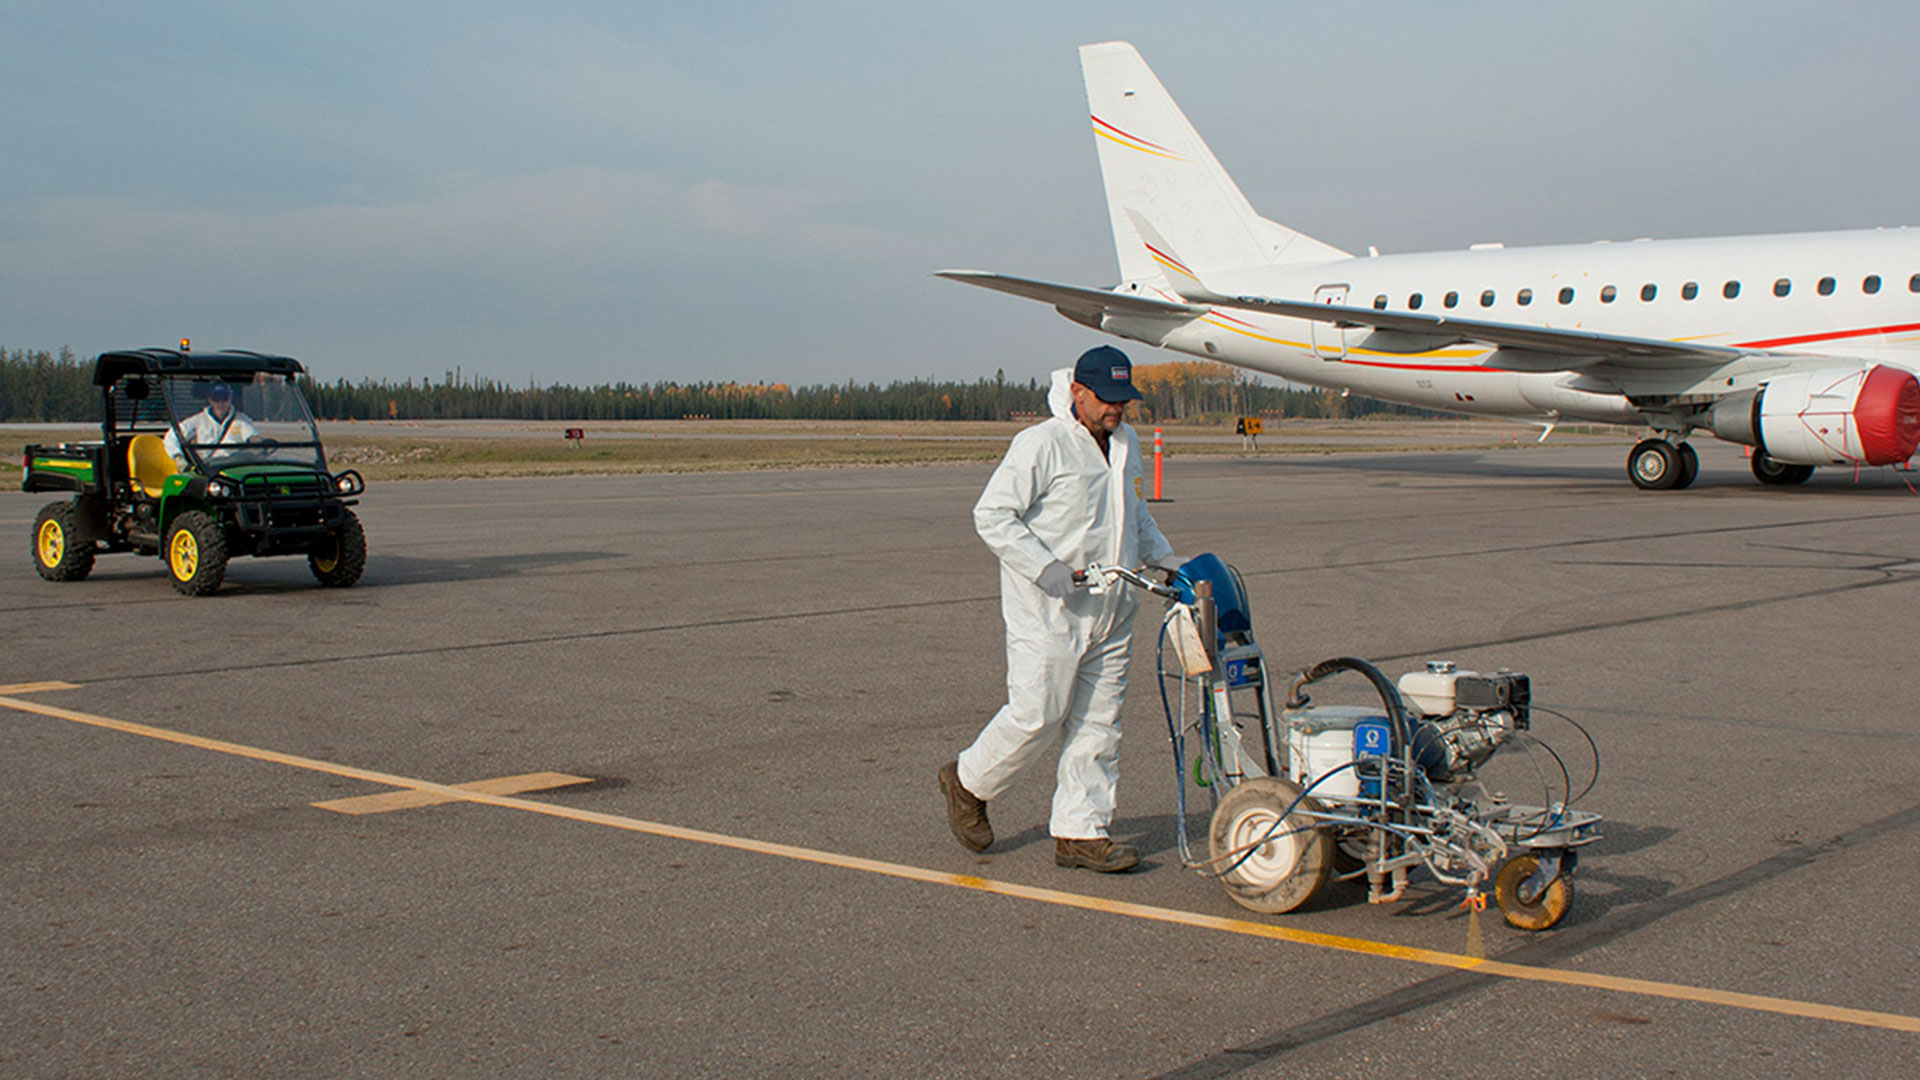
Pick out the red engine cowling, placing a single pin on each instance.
(1841, 416)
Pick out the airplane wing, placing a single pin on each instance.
(1555, 349)
(1519, 347)
(1076, 302)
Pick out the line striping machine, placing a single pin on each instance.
(1324, 793)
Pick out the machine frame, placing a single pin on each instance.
(1282, 828)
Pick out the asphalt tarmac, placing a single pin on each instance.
(756, 676)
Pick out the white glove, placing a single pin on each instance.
(1056, 580)
(1169, 564)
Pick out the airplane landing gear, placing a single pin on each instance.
(1658, 465)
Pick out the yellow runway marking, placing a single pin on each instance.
(411, 799)
(37, 687)
(1360, 946)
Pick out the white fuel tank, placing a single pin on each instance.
(1431, 692)
(1321, 740)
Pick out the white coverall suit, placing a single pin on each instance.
(203, 430)
(1055, 498)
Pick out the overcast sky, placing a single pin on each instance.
(573, 192)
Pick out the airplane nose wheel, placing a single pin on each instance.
(1658, 465)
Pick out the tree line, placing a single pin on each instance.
(45, 386)
(37, 385)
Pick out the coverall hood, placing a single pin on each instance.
(1060, 394)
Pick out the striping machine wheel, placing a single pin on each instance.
(1545, 909)
(1270, 860)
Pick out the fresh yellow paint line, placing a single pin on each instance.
(37, 687)
(411, 799)
(1175, 916)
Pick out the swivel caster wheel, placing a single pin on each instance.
(1539, 912)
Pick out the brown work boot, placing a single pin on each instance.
(1098, 854)
(966, 815)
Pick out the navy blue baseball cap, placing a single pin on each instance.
(1108, 373)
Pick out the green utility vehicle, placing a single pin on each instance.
(202, 457)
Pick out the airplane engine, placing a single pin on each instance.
(1841, 416)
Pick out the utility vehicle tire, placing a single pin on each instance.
(196, 554)
(1285, 871)
(1768, 471)
(61, 550)
(343, 555)
(1547, 909)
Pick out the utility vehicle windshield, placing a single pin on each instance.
(226, 421)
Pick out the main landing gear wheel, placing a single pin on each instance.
(1768, 471)
(1658, 465)
(1545, 909)
(61, 552)
(1689, 466)
(196, 552)
(341, 557)
(1290, 859)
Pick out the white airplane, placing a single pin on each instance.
(1802, 346)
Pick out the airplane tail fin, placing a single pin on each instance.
(1165, 189)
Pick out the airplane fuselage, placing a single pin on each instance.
(1855, 294)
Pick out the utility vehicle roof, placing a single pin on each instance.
(113, 366)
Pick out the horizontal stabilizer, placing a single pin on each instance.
(1076, 302)
(1178, 274)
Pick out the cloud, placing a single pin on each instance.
(585, 264)
(794, 221)
(586, 216)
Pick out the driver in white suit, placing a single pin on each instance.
(219, 424)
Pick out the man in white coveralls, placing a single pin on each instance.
(1068, 494)
(219, 424)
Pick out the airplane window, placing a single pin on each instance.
(1452, 299)
(1782, 287)
(1566, 295)
(1913, 283)
(1871, 284)
(1380, 302)
(1607, 294)
(1486, 298)
(1414, 302)
(1525, 296)
(1648, 291)
(1730, 290)
(1826, 285)
(1690, 290)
